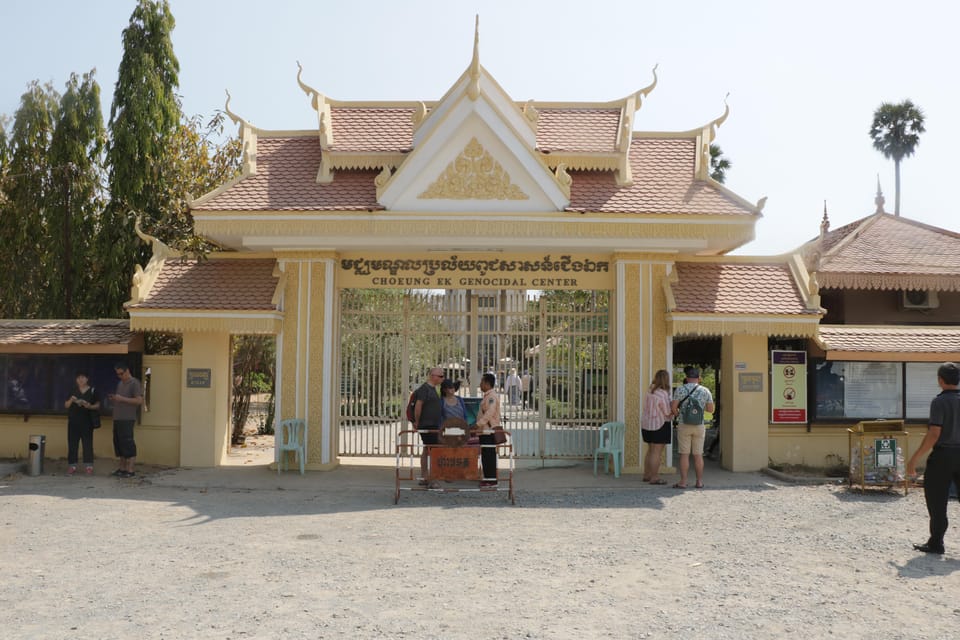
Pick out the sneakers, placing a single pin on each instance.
(72, 469)
(88, 471)
(488, 483)
(120, 473)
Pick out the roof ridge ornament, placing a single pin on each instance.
(643, 93)
(473, 89)
(879, 200)
(230, 114)
(825, 222)
(319, 103)
(707, 135)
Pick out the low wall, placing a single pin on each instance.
(822, 446)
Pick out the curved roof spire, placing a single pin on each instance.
(234, 117)
(879, 199)
(643, 93)
(307, 89)
(473, 90)
(825, 222)
(719, 121)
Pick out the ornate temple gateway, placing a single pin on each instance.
(476, 233)
(556, 243)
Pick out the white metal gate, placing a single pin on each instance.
(549, 351)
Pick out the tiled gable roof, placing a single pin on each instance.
(663, 183)
(883, 251)
(222, 284)
(739, 288)
(65, 332)
(286, 180)
(578, 130)
(663, 169)
(912, 339)
(369, 129)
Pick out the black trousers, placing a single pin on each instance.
(488, 457)
(943, 467)
(77, 433)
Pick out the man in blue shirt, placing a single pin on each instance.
(943, 465)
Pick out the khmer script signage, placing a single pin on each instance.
(475, 271)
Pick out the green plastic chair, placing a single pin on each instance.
(292, 437)
(610, 444)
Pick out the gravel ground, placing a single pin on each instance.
(319, 557)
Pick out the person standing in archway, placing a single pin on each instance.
(690, 400)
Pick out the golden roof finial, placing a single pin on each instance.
(474, 89)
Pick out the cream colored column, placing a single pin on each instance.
(744, 424)
(305, 352)
(205, 411)
(640, 342)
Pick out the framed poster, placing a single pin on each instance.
(788, 387)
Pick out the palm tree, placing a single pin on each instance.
(718, 164)
(896, 133)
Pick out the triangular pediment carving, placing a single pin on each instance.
(474, 175)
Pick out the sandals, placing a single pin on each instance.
(657, 481)
(699, 485)
(679, 486)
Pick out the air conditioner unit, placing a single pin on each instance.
(915, 299)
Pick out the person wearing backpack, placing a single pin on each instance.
(690, 400)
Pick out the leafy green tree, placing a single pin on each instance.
(896, 133)
(23, 229)
(144, 118)
(719, 164)
(75, 201)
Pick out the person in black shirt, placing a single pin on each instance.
(427, 418)
(943, 465)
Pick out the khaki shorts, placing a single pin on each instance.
(690, 439)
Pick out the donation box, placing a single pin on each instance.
(454, 463)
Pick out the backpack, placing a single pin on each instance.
(411, 407)
(691, 412)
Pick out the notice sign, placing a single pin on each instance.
(886, 452)
(788, 385)
(198, 378)
(454, 463)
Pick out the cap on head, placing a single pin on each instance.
(691, 372)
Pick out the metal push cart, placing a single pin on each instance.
(453, 466)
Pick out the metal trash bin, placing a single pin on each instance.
(38, 447)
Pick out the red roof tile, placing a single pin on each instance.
(913, 339)
(369, 129)
(737, 288)
(663, 182)
(246, 285)
(578, 130)
(65, 332)
(286, 180)
(888, 244)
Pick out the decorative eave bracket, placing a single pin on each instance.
(706, 138)
(248, 140)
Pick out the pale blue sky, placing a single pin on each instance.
(804, 78)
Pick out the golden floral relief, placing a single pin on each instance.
(474, 175)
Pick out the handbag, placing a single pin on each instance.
(499, 435)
